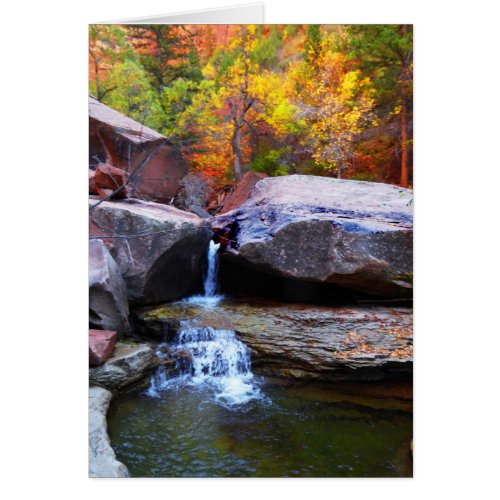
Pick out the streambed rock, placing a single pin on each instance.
(129, 363)
(304, 342)
(159, 249)
(102, 459)
(353, 233)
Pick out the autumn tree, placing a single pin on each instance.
(276, 99)
(238, 98)
(313, 47)
(385, 54)
(337, 101)
(133, 94)
(107, 46)
(166, 51)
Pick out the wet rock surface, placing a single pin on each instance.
(128, 364)
(304, 342)
(356, 234)
(159, 249)
(102, 459)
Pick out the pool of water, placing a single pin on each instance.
(288, 431)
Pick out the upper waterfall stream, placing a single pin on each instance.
(206, 357)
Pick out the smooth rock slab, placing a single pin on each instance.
(160, 250)
(305, 342)
(102, 459)
(128, 364)
(108, 300)
(355, 234)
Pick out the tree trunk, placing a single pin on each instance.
(236, 143)
(96, 78)
(404, 140)
(404, 134)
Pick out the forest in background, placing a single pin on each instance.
(331, 100)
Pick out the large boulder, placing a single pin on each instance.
(128, 364)
(304, 342)
(160, 250)
(108, 301)
(156, 165)
(102, 459)
(356, 234)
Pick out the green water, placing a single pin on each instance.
(292, 431)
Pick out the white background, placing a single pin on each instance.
(44, 250)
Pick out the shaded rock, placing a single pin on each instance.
(199, 211)
(110, 178)
(101, 346)
(304, 342)
(102, 459)
(159, 249)
(128, 364)
(194, 190)
(356, 234)
(92, 185)
(108, 301)
(129, 145)
(242, 191)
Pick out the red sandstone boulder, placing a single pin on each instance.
(101, 345)
(92, 186)
(108, 178)
(242, 191)
(124, 143)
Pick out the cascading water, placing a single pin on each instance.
(207, 357)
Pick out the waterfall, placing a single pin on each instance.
(212, 359)
(206, 357)
(210, 298)
(210, 284)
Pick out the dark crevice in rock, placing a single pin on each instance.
(238, 279)
(179, 265)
